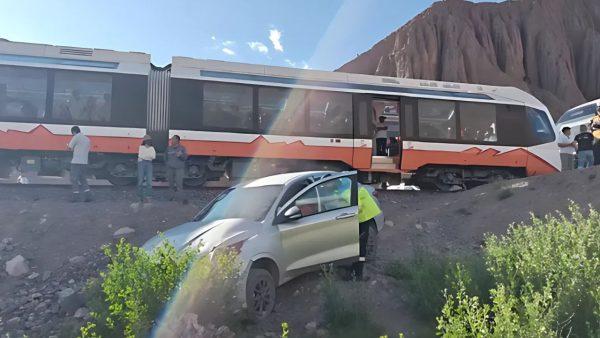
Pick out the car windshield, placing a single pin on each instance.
(250, 203)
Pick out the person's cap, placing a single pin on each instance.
(147, 137)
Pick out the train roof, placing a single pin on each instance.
(185, 67)
(95, 59)
(579, 113)
(596, 102)
(65, 57)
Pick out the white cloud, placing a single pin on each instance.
(214, 38)
(228, 51)
(228, 43)
(258, 47)
(275, 37)
(294, 64)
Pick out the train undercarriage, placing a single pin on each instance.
(121, 170)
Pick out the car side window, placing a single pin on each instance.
(327, 196)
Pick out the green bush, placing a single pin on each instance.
(137, 286)
(557, 251)
(346, 310)
(465, 316)
(548, 282)
(426, 274)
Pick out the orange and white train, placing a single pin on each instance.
(241, 120)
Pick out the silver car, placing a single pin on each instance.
(282, 226)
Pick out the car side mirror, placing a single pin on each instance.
(293, 213)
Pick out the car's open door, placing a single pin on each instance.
(320, 224)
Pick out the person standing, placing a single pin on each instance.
(585, 148)
(80, 145)
(367, 211)
(176, 156)
(595, 123)
(380, 133)
(567, 147)
(146, 154)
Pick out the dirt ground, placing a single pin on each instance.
(50, 232)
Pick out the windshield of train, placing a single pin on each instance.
(578, 113)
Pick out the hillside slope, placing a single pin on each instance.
(550, 48)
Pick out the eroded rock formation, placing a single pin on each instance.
(550, 48)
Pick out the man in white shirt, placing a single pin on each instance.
(567, 147)
(80, 145)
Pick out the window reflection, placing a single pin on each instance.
(437, 119)
(281, 111)
(82, 96)
(330, 113)
(227, 106)
(22, 92)
(478, 122)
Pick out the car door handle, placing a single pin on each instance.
(346, 215)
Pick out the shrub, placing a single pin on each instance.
(548, 283)
(426, 274)
(561, 252)
(137, 286)
(346, 311)
(508, 316)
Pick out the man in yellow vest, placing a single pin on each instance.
(367, 211)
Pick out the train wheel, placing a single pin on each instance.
(448, 181)
(120, 174)
(196, 175)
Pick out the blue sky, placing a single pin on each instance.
(318, 34)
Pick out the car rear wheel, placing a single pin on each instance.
(260, 293)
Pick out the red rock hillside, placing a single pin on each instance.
(550, 48)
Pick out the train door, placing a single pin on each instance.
(387, 144)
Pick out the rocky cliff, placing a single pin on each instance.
(550, 48)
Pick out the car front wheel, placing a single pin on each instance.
(260, 293)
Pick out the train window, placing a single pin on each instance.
(437, 119)
(330, 113)
(227, 106)
(512, 128)
(82, 96)
(186, 104)
(129, 100)
(281, 111)
(542, 128)
(22, 93)
(363, 126)
(478, 122)
(409, 119)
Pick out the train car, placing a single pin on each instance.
(445, 134)
(45, 90)
(578, 116)
(241, 120)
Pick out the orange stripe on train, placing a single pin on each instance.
(40, 138)
(261, 147)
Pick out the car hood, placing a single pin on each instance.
(210, 234)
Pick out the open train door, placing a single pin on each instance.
(387, 144)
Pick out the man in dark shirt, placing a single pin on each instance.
(176, 156)
(585, 148)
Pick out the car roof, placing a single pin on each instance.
(282, 179)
